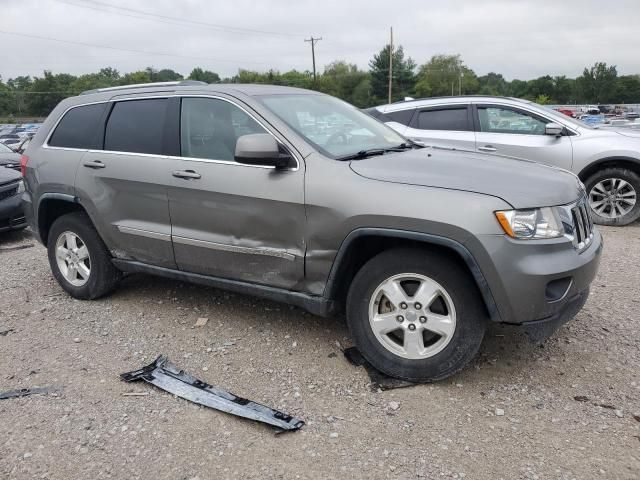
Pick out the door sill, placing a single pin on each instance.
(314, 304)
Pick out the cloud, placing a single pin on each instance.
(523, 39)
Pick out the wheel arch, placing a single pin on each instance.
(52, 206)
(629, 163)
(364, 243)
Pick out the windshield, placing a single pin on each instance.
(565, 118)
(334, 127)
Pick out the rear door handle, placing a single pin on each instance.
(189, 174)
(94, 164)
(487, 148)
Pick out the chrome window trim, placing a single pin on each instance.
(290, 147)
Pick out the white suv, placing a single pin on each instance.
(606, 160)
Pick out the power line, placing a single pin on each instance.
(144, 52)
(135, 13)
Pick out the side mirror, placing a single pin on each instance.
(260, 149)
(554, 129)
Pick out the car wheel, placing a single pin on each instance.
(415, 315)
(79, 260)
(613, 196)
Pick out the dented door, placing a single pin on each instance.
(231, 220)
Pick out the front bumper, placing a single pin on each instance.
(11, 214)
(535, 282)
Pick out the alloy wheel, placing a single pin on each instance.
(612, 198)
(73, 259)
(412, 316)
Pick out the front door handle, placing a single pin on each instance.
(189, 174)
(487, 148)
(94, 164)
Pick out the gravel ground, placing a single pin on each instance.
(511, 414)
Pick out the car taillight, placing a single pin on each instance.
(23, 165)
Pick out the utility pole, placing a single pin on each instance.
(313, 42)
(390, 64)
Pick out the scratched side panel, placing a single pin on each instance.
(239, 222)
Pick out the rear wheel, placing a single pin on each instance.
(79, 260)
(613, 196)
(415, 315)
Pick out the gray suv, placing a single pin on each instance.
(298, 197)
(605, 159)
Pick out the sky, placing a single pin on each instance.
(519, 38)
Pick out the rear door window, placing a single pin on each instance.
(453, 119)
(79, 128)
(136, 126)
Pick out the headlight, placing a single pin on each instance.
(535, 223)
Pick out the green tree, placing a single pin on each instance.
(204, 75)
(445, 75)
(563, 89)
(541, 87)
(403, 75)
(543, 99)
(598, 83)
(141, 76)
(46, 92)
(343, 80)
(628, 89)
(493, 84)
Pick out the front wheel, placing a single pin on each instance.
(415, 315)
(613, 196)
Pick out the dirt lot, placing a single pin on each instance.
(286, 358)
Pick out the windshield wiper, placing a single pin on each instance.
(378, 151)
(364, 154)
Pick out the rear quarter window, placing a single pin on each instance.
(79, 127)
(401, 116)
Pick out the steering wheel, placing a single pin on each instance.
(337, 138)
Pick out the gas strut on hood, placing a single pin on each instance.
(168, 377)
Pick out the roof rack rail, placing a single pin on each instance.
(145, 85)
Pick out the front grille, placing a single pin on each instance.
(582, 224)
(8, 192)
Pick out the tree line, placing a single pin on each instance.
(441, 75)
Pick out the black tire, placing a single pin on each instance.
(471, 317)
(619, 173)
(103, 277)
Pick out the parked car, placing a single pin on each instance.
(10, 138)
(9, 158)
(22, 146)
(566, 111)
(606, 160)
(11, 189)
(296, 196)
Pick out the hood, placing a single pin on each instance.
(521, 183)
(629, 132)
(8, 175)
(9, 158)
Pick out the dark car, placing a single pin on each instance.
(9, 158)
(9, 139)
(11, 212)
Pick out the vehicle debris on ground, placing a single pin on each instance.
(170, 378)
